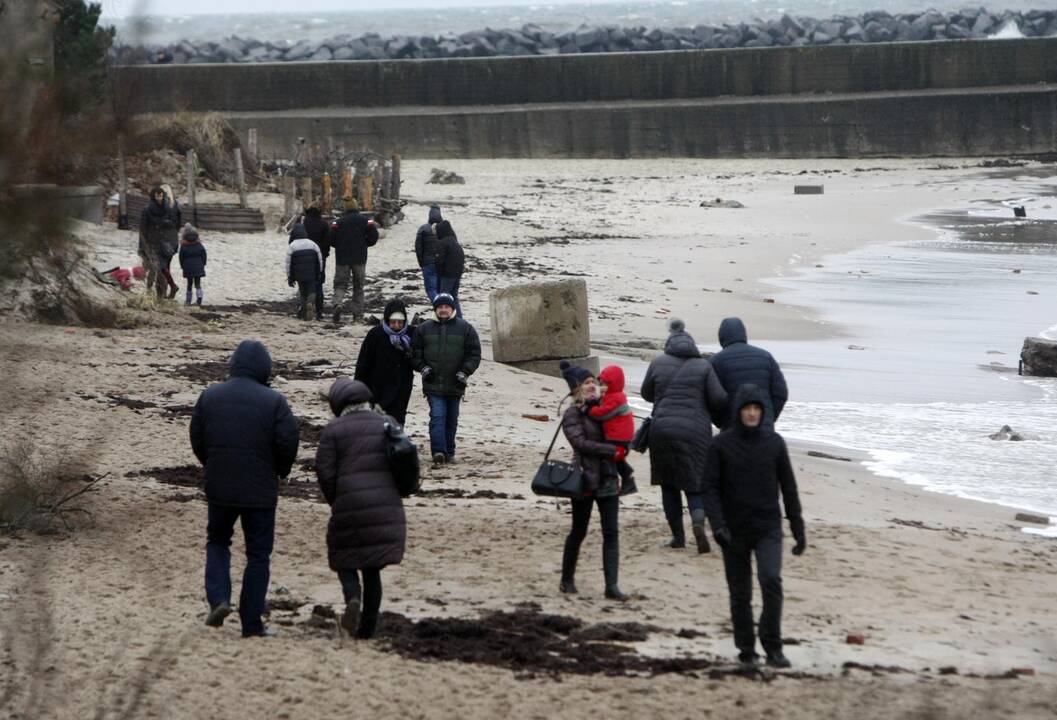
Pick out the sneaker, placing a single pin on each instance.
(449, 459)
(217, 614)
(568, 587)
(350, 619)
(613, 592)
(439, 458)
(702, 540)
(262, 633)
(778, 660)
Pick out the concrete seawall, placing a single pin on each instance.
(933, 98)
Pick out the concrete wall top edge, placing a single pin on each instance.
(587, 77)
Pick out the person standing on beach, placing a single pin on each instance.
(244, 434)
(426, 252)
(367, 530)
(687, 398)
(158, 225)
(595, 458)
(304, 267)
(318, 231)
(193, 258)
(384, 362)
(748, 464)
(740, 363)
(446, 351)
(351, 235)
(451, 261)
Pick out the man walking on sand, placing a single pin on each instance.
(351, 235)
(426, 251)
(740, 363)
(747, 466)
(446, 351)
(245, 435)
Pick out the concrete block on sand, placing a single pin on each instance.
(551, 367)
(540, 321)
(1038, 357)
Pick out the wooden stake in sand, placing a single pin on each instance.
(191, 171)
(306, 191)
(346, 182)
(394, 188)
(365, 191)
(328, 193)
(289, 198)
(240, 178)
(122, 186)
(251, 149)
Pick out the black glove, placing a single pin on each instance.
(797, 526)
(723, 538)
(427, 373)
(461, 378)
(290, 283)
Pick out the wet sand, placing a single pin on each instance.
(115, 608)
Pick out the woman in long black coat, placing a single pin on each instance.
(384, 364)
(367, 529)
(687, 398)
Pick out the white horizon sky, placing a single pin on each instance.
(126, 8)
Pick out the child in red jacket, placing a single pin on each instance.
(618, 424)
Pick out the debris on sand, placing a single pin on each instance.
(444, 177)
(721, 203)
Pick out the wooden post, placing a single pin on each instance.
(289, 198)
(387, 181)
(122, 188)
(346, 182)
(394, 190)
(240, 178)
(377, 185)
(191, 202)
(365, 189)
(306, 191)
(328, 194)
(252, 149)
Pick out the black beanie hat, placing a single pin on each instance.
(443, 299)
(574, 375)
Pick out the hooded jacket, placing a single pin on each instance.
(426, 239)
(451, 260)
(590, 453)
(687, 398)
(318, 230)
(618, 422)
(386, 369)
(350, 236)
(746, 469)
(192, 256)
(244, 433)
(448, 348)
(159, 226)
(739, 363)
(304, 261)
(367, 527)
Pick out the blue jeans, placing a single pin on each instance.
(443, 423)
(258, 529)
(451, 286)
(431, 280)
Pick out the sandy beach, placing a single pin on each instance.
(953, 600)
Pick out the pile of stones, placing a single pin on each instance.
(877, 26)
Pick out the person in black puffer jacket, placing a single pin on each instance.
(687, 399)
(304, 266)
(318, 230)
(367, 529)
(451, 261)
(747, 466)
(384, 363)
(447, 352)
(159, 226)
(426, 252)
(193, 259)
(350, 236)
(740, 363)
(246, 437)
(595, 458)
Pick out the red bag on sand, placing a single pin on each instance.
(125, 276)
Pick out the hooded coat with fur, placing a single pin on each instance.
(687, 397)
(385, 368)
(367, 526)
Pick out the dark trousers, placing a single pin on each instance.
(443, 423)
(431, 280)
(737, 561)
(306, 298)
(343, 274)
(451, 286)
(319, 288)
(371, 599)
(258, 529)
(672, 500)
(609, 514)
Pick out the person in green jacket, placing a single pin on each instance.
(446, 352)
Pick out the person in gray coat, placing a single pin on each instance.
(687, 398)
(367, 529)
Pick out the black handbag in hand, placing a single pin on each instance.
(556, 478)
(403, 459)
(641, 441)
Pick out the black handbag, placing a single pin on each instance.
(403, 459)
(641, 441)
(555, 478)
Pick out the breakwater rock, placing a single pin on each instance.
(877, 26)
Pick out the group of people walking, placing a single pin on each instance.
(734, 479)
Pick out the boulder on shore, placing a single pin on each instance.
(1038, 357)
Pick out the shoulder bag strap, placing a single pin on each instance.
(554, 439)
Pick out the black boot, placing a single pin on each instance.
(777, 659)
(569, 557)
(698, 519)
(678, 540)
(611, 570)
